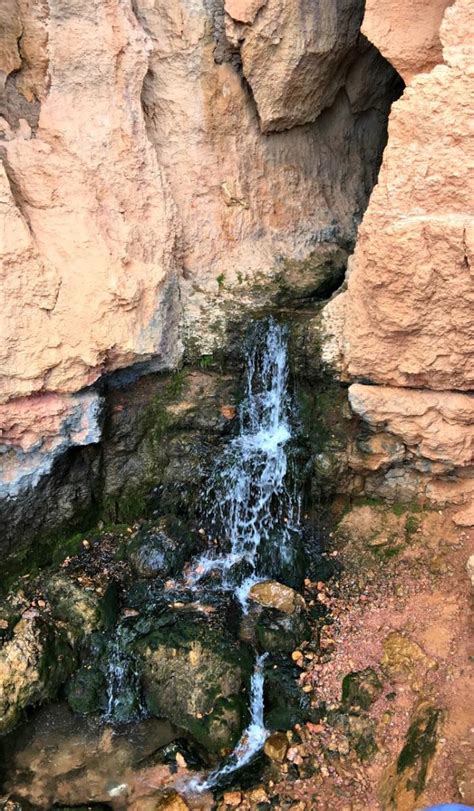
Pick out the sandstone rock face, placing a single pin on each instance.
(142, 206)
(406, 318)
(406, 32)
(301, 50)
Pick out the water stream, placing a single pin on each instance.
(248, 502)
(251, 505)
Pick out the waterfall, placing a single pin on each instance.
(249, 504)
(248, 499)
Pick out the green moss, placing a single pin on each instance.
(361, 688)
(420, 746)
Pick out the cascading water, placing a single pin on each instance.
(248, 500)
(250, 504)
(252, 739)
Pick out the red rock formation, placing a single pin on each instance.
(141, 201)
(406, 319)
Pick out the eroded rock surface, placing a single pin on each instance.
(143, 207)
(406, 318)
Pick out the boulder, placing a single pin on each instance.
(271, 594)
(361, 688)
(196, 676)
(82, 610)
(161, 550)
(33, 664)
(282, 624)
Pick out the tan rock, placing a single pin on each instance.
(276, 746)
(232, 798)
(272, 594)
(302, 50)
(406, 32)
(404, 660)
(172, 802)
(437, 426)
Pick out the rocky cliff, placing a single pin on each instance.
(161, 164)
(405, 321)
(169, 167)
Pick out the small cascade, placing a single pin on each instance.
(248, 503)
(123, 688)
(253, 737)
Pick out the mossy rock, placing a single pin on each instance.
(82, 610)
(196, 676)
(406, 780)
(361, 688)
(86, 691)
(33, 664)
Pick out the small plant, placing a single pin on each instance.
(206, 361)
(220, 281)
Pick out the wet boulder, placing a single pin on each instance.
(285, 702)
(81, 609)
(33, 664)
(162, 549)
(281, 624)
(196, 676)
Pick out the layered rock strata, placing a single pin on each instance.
(405, 321)
(155, 185)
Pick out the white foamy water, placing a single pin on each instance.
(251, 741)
(247, 497)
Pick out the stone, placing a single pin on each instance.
(271, 594)
(162, 549)
(232, 798)
(171, 801)
(276, 746)
(404, 660)
(470, 569)
(438, 427)
(361, 688)
(403, 783)
(277, 631)
(82, 610)
(303, 50)
(407, 33)
(33, 664)
(465, 517)
(195, 676)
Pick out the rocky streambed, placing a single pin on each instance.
(241, 653)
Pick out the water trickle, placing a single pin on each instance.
(250, 504)
(248, 498)
(123, 690)
(251, 740)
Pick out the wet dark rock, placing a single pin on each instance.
(361, 688)
(281, 633)
(196, 676)
(86, 691)
(285, 702)
(162, 548)
(283, 559)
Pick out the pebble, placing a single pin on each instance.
(232, 798)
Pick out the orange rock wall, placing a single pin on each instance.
(406, 321)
